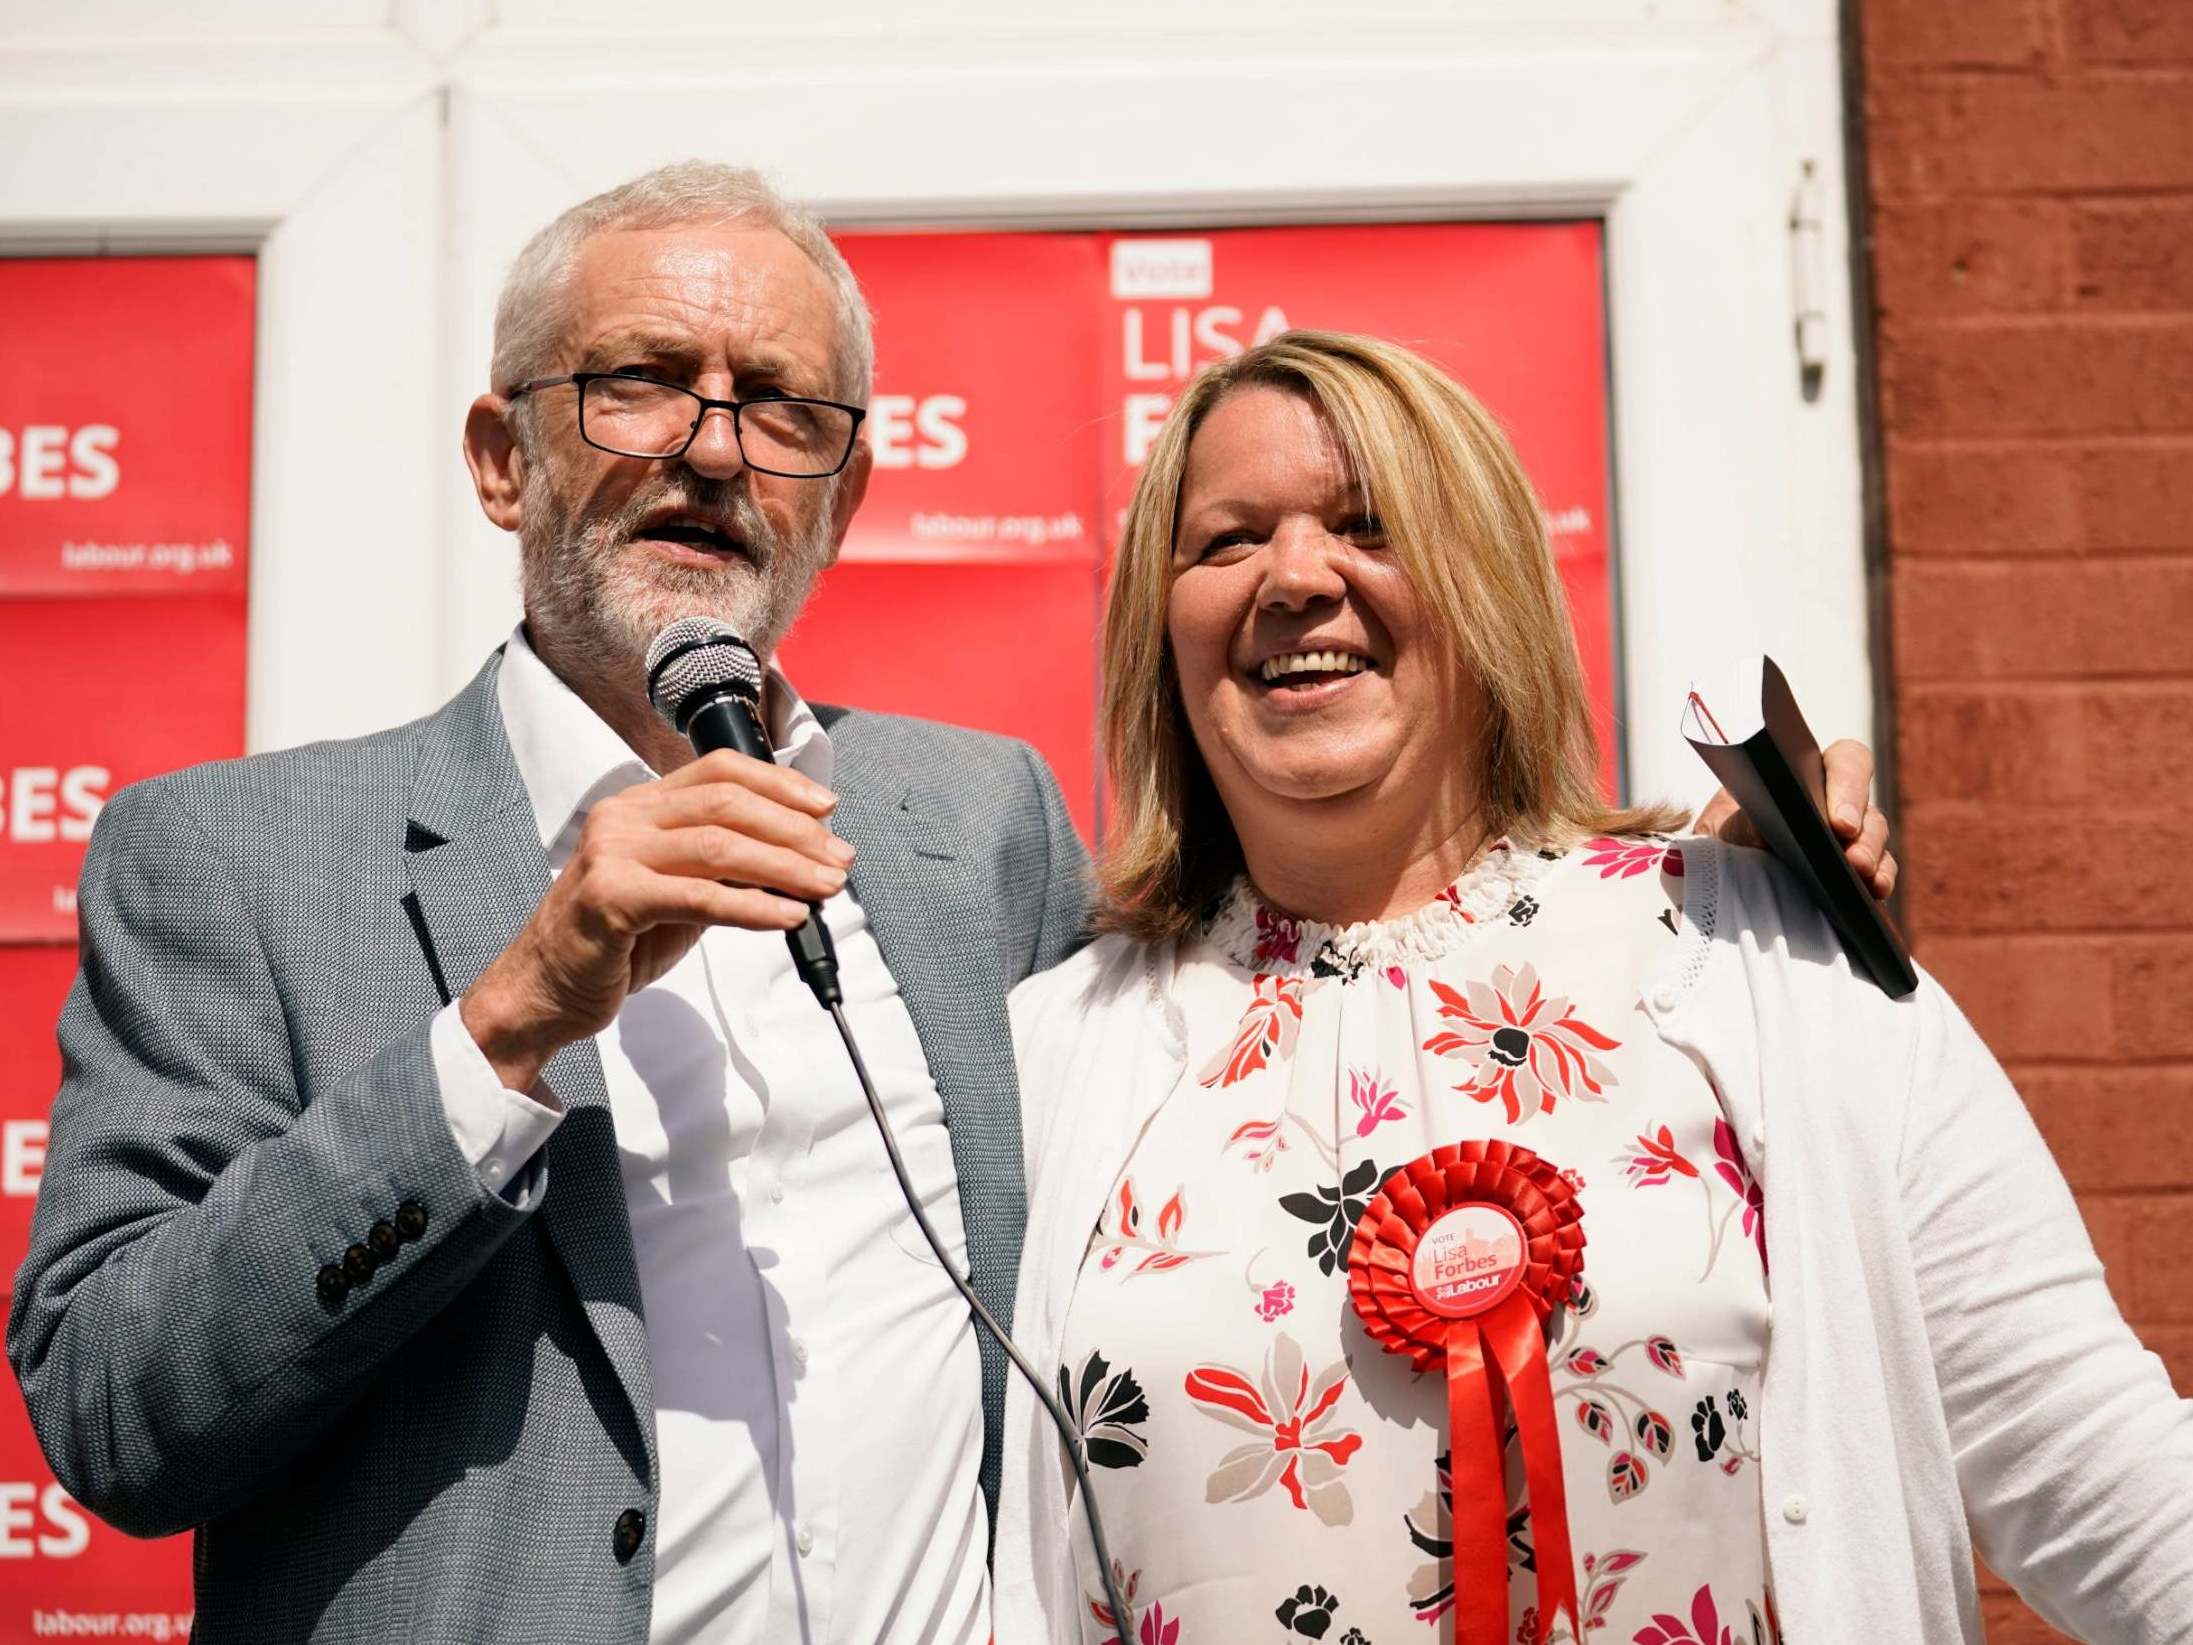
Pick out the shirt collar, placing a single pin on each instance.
(569, 758)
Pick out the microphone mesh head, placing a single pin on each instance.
(695, 655)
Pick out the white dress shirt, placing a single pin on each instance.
(817, 1392)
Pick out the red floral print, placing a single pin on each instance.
(1267, 1030)
(1656, 1158)
(1638, 1436)
(1704, 1625)
(1122, 1231)
(1300, 1445)
(1732, 1170)
(1375, 1100)
(1452, 897)
(1524, 1047)
(1127, 1582)
(1265, 1141)
(1278, 938)
(1626, 859)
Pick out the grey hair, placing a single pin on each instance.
(533, 312)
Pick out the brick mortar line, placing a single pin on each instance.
(2067, 73)
(2083, 559)
(2011, 445)
(1906, 677)
(2086, 311)
(1951, 808)
(2042, 320)
(2091, 1067)
(2057, 688)
(2042, 556)
(2036, 939)
(2049, 191)
(1929, 935)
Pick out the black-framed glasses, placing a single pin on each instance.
(633, 416)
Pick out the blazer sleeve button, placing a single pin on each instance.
(627, 1534)
(410, 1219)
(383, 1239)
(359, 1263)
(333, 1284)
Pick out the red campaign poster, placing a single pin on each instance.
(969, 583)
(125, 424)
(1514, 311)
(1021, 377)
(984, 413)
(100, 693)
(125, 511)
(66, 1572)
(33, 983)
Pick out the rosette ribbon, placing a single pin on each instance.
(1456, 1264)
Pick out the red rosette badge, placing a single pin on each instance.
(1456, 1264)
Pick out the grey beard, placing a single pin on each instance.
(596, 603)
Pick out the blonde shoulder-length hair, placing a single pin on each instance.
(1461, 518)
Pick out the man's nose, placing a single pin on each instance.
(715, 449)
(1301, 567)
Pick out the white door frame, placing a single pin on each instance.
(388, 174)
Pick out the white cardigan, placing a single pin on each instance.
(1944, 1353)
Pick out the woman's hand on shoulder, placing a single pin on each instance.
(1860, 824)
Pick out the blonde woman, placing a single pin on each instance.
(1836, 1319)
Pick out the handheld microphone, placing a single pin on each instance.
(706, 682)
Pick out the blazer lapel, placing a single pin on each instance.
(937, 936)
(477, 874)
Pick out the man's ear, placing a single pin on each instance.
(491, 453)
(852, 487)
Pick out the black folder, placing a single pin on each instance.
(1776, 774)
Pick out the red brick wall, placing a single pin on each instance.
(2031, 168)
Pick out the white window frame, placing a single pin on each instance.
(386, 178)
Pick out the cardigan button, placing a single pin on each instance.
(1663, 999)
(1794, 1509)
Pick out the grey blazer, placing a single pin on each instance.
(460, 1446)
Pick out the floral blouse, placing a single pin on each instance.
(1264, 1470)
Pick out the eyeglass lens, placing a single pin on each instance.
(643, 419)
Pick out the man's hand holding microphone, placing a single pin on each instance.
(727, 839)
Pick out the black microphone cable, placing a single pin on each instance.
(705, 680)
(989, 1322)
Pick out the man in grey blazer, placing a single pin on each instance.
(455, 1210)
(304, 1274)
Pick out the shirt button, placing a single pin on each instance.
(1794, 1509)
(805, 1540)
(492, 1173)
(799, 1352)
(1663, 999)
(776, 1193)
(626, 1535)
